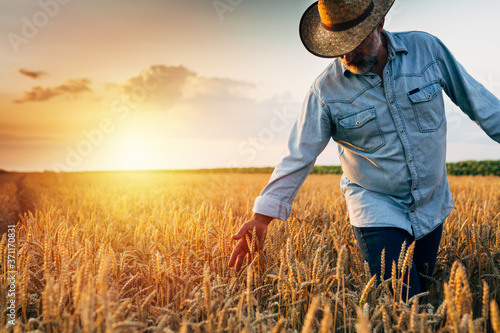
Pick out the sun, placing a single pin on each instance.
(153, 142)
(134, 148)
(136, 154)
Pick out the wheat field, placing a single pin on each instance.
(148, 252)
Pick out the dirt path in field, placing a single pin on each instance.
(14, 199)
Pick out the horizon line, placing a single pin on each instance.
(3, 171)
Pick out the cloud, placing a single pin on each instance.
(168, 83)
(160, 87)
(217, 87)
(157, 87)
(74, 86)
(9, 139)
(31, 74)
(69, 87)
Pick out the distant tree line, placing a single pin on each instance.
(458, 169)
(474, 168)
(464, 168)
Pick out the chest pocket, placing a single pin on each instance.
(361, 131)
(428, 107)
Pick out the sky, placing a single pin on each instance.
(171, 84)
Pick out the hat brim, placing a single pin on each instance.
(330, 44)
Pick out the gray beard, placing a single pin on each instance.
(360, 64)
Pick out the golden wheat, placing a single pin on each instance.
(148, 252)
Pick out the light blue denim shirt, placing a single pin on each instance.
(391, 135)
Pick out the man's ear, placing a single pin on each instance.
(381, 25)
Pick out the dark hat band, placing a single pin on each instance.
(352, 23)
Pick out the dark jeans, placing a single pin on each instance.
(371, 241)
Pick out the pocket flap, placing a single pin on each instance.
(424, 94)
(357, 119)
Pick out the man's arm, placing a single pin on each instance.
(472, 97)
(309, 136)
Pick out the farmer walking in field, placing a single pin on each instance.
(381, 101)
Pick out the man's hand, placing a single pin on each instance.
(241, 250)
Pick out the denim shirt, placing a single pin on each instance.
(391, 135)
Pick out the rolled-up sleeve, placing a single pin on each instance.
(310, 134)
(472, 97)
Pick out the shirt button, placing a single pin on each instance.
(386, 72)
(357, 123)
(391, 101)
(414, 188)
(402, 131)
(412, 211)
(411, 160)
(372, 77)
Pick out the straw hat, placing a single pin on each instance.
(331, 28)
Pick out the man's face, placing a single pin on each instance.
(363, 57)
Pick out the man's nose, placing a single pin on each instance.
(349, 56)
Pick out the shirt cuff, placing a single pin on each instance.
(272, 207)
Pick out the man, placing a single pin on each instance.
(381, 102)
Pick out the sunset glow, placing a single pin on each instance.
(101, 85)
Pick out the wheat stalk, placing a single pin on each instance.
(450, 305)
(309, 320)
(367, 289)
(494, 315)
(363, 324)
(326, 321)
(407, 263)
(485, 307)
(382, 265)
(340, 278)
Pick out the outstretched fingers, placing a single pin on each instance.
(251, 236)
(238, 255)
(243, 230)
(241, 258)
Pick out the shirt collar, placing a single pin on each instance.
(394, 45)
